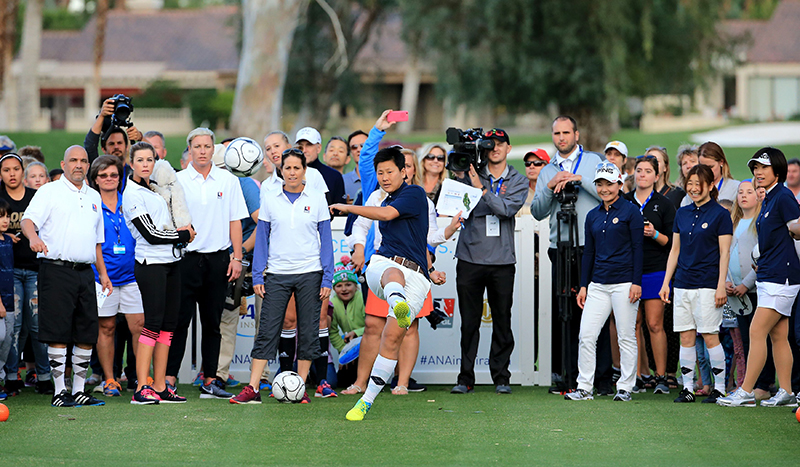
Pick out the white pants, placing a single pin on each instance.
(600, 300)
(416, 289)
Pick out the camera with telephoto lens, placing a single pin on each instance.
(569, 194)
(123, 106)
(470, 147)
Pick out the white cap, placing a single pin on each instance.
(762, 159)
(218, 158)
(619, 146)
(309, 134)
(608, 171)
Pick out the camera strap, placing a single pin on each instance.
(576, 164)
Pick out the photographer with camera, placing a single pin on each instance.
(485, 252)
(114, 131)
(560, 195)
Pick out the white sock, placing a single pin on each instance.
(58, 361)
(80, 366)
(394, 293)
(688, 359)
(382, 372)
(717, 357)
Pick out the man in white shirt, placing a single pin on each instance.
(215, 201)
(69, 219)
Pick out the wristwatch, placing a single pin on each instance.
(430, 271)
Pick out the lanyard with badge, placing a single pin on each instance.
(492, 221)
(641, 208)
(577, 162)
(116, 220)
(719, 186)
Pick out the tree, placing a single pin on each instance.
(585, 56)
(8, 30)
(30, 53)
(325, 46)
(268, 29)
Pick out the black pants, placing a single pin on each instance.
(498, 282)
(159, 285)
(67, 305)
(278, 289)
(204, 283)
(603, 372)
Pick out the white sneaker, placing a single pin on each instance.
(622, 396)
(739, 398)
(579, 395)
(98, 388)
(781, 399)
(93, 380)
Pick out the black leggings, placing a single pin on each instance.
(160, 286)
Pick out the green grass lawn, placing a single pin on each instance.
(432, 428)
(54, 143)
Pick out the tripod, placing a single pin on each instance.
(567, 256)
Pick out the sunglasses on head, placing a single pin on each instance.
(439, 157)
(105, 176)
(646, 157)
(494, 132)
(293, 151)
(535, 163)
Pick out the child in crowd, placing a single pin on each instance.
(6, 290)
(348, 318)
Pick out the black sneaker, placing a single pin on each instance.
(649, 382)
(132, 385)
(712, 398)
(63, 399)
(168, 396)
(30, 379)
(45, 387)
(414, 386)
(616, 374)
(685, 396)
(84, 398)
(14, 386)
(661, 386)
(638, 388)
(605, 390)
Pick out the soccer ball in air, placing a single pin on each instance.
(243, 157)
(288, 386)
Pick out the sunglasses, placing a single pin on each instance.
(293, 151)
(431, 157)
(113, 176)
(646, 157)
(356, 146)
(535, 163)
(494, 132)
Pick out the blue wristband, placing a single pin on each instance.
(656, 235)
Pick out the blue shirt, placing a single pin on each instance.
(613, 251)
(119, 265)
(7, 273)
(252, 198)
(778, 261)
(407, 234)
(699, 229)
(352, 184)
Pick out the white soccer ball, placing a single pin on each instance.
(243, 157)
(288, 387)
(754, 255)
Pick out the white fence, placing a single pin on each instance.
(440, 352)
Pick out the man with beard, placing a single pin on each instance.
(115, 142)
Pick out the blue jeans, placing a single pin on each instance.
(6, 337)
(26, 311)
(703, 361)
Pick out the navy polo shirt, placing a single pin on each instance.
(613, 251)
(699, 229)
(778, 261)
(407, 234)
(119, 266)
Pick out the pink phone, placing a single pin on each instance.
(397, 116)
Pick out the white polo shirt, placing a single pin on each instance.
(294, 244)
(137, 201)
(313, 180)
(214, 202)
(70, 220)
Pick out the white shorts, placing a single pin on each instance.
(417, 286)
(779, 297)
(694, 309)
(125, 299)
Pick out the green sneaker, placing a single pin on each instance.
(401, 313)
(357, 413)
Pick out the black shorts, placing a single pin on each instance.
(67, 305)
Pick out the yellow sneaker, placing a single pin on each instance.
(357, 413)
(401, 313)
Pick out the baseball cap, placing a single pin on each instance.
(540, 153)
(498, 134)
(218, 158)
(6, 144)
(619, 146)
(608, 171)
(309, 134)
(762, 159)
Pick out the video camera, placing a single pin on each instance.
(470, 147)
(569, 194)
